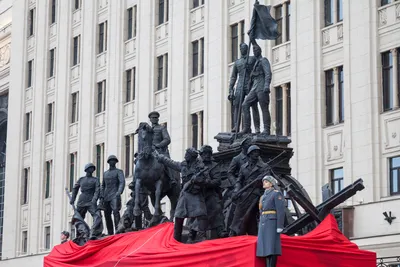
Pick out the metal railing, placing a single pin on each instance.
(388, 261)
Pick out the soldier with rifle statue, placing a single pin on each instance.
(191, 202)
(242, 68)
(90, 191)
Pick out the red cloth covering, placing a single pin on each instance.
(324, 246)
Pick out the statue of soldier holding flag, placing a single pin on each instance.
(263, 27)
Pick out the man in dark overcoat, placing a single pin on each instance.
(191, 203)
(87, 201)
(249, 171)
(272, 216)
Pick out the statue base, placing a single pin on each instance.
(274, 150)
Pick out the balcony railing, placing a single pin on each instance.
(388, 261)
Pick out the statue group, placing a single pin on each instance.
(236, 191)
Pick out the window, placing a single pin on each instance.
(24, 247)
(47, 192)
(279, 20)
(282, 110)
(339, 10)
(30, 73)
(50, 117)
(237, 37)
(28, 118)
(47, 238)
(131, 22)
(72, 170)
(25, 185)
(129, 152)
(99, 160)
(386, 2)
(197, 57)
(279, 110)
(101, 96)
(53, 12)
(130, 76)
(77, 4)
(76, 52)
(52, 55)
(162, 72)
(329, 12)
(341, 94)
(394, 165)
(336, 180)
(31, 22)
(102, 37)
(329, 97)
(387, 80)
(74, 107)
(197, 3)
(163, 11)
(197, 129)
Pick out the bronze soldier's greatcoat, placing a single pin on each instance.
(112, 187)
(272, 215)
(191, 202)
(248, 172)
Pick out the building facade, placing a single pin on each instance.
(83, 74)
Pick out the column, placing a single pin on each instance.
(285, 109)
(165, 72)
(284, 14)
(336, 95)
(395, 79)
(112, 94)
(239, 40)
(199, 129)
(102, 161)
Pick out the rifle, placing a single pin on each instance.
(191, 182)
(267, 170)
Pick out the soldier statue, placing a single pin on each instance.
(242, 87)
(248, 173)
(90, 191)
(161, 140)
(260, 80)
(112, 187)
(191, 202)
(212, 197)
(233, 173)
(272, 215)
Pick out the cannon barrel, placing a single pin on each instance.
(325, 207)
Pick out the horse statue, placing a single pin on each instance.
(152, 176)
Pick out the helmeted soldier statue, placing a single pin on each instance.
(233, 173)
(261, 76)
(272, 216)
(161, 140)
(212, 197)
(191, 202)
(112, 187)
(90, 191)
(239, 69)
(249, 171)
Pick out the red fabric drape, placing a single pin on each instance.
(324, 246)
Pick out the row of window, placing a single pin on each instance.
(337, 177)
(46, 240)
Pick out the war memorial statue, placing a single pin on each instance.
(90, 192)
(111, 189)
(254, 168)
